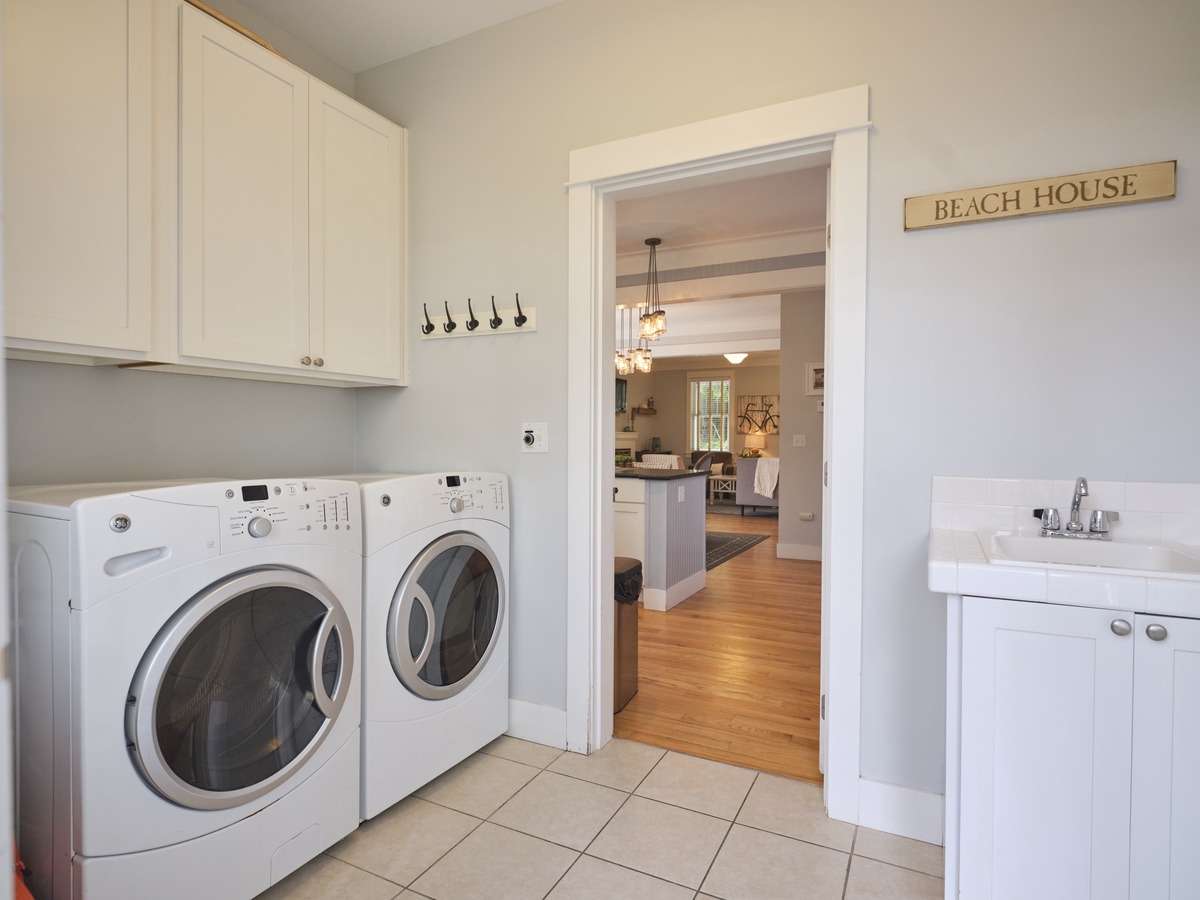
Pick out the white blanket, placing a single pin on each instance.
(766, 476)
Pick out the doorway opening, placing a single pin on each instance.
(723, 148)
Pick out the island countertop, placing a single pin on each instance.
(659, 474)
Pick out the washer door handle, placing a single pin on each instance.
(328, 704)
(426, 604)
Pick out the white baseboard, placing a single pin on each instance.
(798, 551)
(661, 601)
(540, 724)
(899, 810)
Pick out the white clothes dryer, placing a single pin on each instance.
(435, 626)
(188, 683)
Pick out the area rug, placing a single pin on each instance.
(732, 509)
(720, 547)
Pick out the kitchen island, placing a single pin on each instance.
(658, 517)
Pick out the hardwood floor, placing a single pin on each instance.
(733, 672)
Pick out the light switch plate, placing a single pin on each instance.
(533, 438)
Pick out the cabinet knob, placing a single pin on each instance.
(1156, 632)
(318, 362)
(1120, 627)
(306, 360)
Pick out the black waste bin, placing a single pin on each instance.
(627, 587)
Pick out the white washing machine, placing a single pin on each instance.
(188, 683)
(435, 626)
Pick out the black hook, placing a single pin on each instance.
(495, 321)
(428, 326)
(520, 319)
(472, 323)
(449, 325)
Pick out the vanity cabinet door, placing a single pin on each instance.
(1047, 700)
(1165, 860)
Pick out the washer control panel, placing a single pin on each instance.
(263, 512)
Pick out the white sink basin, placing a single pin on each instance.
(1023, 549)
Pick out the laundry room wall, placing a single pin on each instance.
(1051, 346)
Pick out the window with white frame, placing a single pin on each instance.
(708, 410)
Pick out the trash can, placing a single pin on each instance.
(627, 587)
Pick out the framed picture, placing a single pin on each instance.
(815, 383)
(622, 395)
(758, 414)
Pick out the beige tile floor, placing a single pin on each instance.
(522, 821)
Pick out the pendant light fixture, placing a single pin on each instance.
(653, 321)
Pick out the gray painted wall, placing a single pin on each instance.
(983, 341)
(802, 337)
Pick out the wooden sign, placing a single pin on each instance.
(1109, 187)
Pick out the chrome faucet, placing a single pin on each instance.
(1081, 491)
(1099, 525)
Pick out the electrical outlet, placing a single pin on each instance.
(680, 500)
(799, 440)
(533, 438)
(806, 517)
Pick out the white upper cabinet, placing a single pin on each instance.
(355, 240)
(243, 220)
(291, 243)
(77, 178)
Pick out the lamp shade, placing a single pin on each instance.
(736, 358)
(755, 441)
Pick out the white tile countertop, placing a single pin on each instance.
(966, 514)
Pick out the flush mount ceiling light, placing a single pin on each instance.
(736, 358)
(653, 321)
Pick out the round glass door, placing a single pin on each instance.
(239, 688)
(445, 616)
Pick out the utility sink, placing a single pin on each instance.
(1009, 548)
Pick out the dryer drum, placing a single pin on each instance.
(445, 616)
(239, 689)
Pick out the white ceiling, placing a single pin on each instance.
(361, 34)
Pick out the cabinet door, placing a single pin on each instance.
(1166, 760)
(355, 243)
(1047, 695)
(243, 199)
(77, 244)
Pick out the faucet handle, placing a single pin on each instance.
(1049, 517)
(1102, 519)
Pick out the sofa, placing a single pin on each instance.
(720, 458)
(746, 467)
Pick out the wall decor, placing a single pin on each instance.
(758, 414)
(1107, 187)
(814, 382)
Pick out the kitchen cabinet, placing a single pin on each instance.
(289, 217)
(629, 519)
(77, 179)
(1080, 731)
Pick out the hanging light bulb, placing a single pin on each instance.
(653, 321)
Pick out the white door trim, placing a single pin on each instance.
(835, 123)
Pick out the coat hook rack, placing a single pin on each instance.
(521, 320)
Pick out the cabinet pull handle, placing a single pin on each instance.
(1120, 627)
(306, 361)
(318, 362)
(1156, 632)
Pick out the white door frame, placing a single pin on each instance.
(835, 123)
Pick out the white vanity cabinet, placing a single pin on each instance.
(289, 218)
(1078, 741)
(77, 179)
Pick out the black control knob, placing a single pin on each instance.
(259, 526)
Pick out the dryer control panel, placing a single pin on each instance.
(471, 495)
